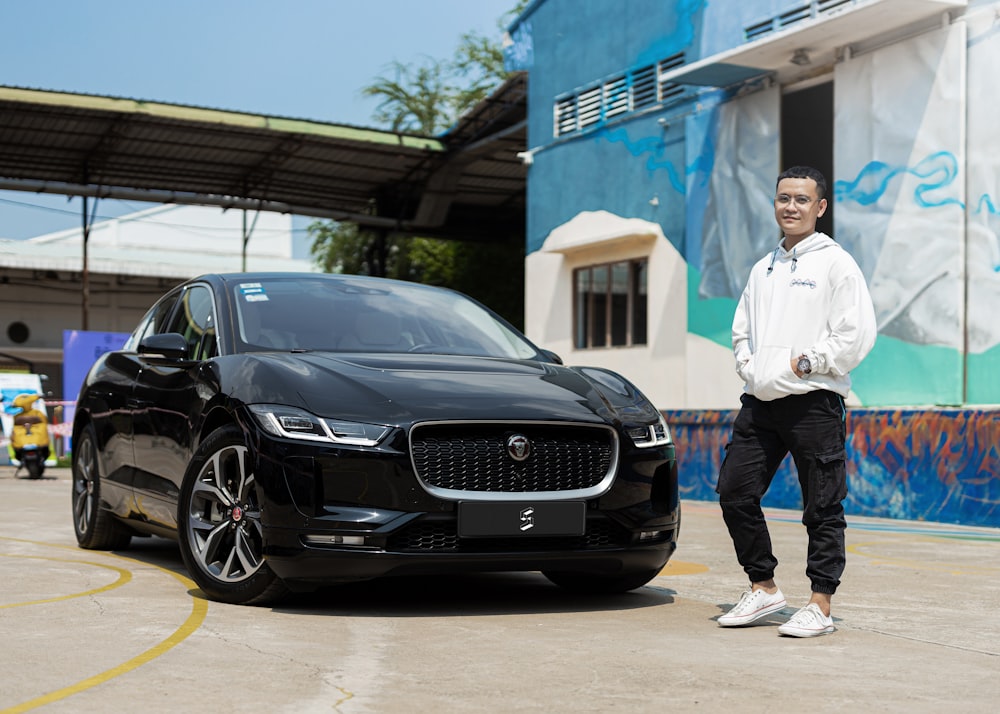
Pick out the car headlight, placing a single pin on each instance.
(656, 434)
(293, 423)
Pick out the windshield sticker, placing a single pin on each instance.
(253, 292)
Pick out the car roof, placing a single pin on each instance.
(227, 278)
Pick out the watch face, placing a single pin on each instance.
(805, 365)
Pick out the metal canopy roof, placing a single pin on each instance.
(467, 184)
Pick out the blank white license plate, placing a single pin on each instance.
(477, 519)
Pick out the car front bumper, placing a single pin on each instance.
(336, 515)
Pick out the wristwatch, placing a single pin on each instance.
(805, 366)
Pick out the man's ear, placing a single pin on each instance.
(822, 207)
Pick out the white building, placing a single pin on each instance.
(131, 260)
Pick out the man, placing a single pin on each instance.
(804, 321)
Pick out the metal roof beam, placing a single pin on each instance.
(198, 199)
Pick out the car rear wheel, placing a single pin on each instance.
(220, 531)
(96, 528)
(600, 584)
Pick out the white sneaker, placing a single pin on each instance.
(753, 605)
(807, 622)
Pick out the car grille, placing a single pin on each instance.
(467, 457)
(442, 537)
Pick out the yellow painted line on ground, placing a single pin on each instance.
(679, 567)
(348, 696)
(199, 609)
(123, 577)
(917, 564)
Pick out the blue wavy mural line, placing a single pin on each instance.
(986, 205)
(651, 145)
(677, 38)
(937, 171)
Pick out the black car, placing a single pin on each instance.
(296, 430)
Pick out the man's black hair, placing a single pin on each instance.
(806, 172)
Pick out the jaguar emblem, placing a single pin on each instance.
(518, 447)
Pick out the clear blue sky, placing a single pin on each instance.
(307, 59)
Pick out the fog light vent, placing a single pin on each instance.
(335, 540)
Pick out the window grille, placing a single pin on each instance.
(669, 90)
(792, 16)
(617, 96)
(566, 116)
(644, 87)
(589, 107)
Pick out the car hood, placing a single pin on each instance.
(407, 388)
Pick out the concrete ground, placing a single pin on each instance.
(918, 630)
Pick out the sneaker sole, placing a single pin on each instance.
(790, 632)
(750, 619)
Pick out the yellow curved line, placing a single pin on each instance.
(123, 577)
(199, 609)
(679, 567)
(952, 569)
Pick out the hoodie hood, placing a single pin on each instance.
(817, 241)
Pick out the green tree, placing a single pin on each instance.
(346, 248)
(416, 99)
(430, 97)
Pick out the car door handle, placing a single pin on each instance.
(133, 403)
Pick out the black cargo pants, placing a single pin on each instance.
(812, 427)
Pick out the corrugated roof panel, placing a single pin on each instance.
(65, 143)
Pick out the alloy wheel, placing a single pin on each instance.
(223, 523)
(84, 485)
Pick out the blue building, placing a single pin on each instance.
(656, 132)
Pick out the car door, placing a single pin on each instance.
(167, 404)
(109, 391)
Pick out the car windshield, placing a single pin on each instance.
(362, 316)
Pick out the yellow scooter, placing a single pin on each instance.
(29, 438)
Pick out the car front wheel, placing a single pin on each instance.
(220, 531)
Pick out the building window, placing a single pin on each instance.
(610, 305)
(800, 13)
(617, 96)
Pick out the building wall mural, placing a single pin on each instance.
(917, 464)
(900, 192)
(917, 189)
(982, 209)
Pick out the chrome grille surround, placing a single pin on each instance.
(468, 460)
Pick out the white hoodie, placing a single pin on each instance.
(812, 300)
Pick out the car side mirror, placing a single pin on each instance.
(170, 345)
(550, 356)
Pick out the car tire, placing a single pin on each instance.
(95, 527)
(219, 526)
(587, 583)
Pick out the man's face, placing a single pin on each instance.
(797, 206)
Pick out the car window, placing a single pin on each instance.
(153, 322)
(195, 320)
(349, 316)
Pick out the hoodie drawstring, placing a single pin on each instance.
(774, 255)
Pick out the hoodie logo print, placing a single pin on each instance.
(802, 283)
